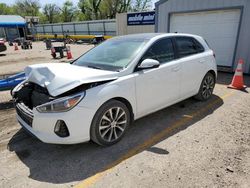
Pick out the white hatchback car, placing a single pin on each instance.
(103, 91)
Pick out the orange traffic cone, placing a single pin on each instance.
(237, 82)
(69, 55)
(15, 47)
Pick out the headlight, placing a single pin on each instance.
(62, 104)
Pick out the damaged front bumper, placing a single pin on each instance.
(43, 125)
(67, 127)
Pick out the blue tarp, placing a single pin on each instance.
(12, 24)
(12, 81)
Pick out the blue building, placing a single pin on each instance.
(12, 27)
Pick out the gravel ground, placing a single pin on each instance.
(211, 149)
(15, 61)
(190, 144)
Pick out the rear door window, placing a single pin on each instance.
(199, 47)
(162, 51)
(188, 46)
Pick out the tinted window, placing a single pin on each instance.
(161, 51)
(199, 47)
(188, 46)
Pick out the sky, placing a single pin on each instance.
(42, 2)
(58, 2)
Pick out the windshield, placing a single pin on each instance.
(114, 54)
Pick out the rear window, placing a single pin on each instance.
(188, 46)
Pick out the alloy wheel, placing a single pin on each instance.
(208, 86)
(112, 124)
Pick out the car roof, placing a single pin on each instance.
(149, 36)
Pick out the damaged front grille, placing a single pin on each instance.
(27, 97)
(32, 95)
(25, 113)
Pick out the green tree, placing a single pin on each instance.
(109, 8)
(5, 9)
(141, 5)
(91, 8)
(102, 9)
(51, 12)
(68, 11)
(27, 7)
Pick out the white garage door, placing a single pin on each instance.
(219, 28)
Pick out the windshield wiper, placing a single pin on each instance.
(94, 67)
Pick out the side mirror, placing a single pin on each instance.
(148, 64)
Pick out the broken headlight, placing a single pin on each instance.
(62, 104)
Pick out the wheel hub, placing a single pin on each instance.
(113, 124)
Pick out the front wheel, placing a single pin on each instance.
(110, 123)
(206, 88)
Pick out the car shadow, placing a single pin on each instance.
(68, 163)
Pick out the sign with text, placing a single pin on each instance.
(141, 18)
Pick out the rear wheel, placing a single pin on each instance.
(110, 123)
(206, 88)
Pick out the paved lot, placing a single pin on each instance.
(190, 144)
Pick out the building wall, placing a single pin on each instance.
(123, 29)
(165, 7)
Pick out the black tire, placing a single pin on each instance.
(61, 54)
(206, 87)
(115, 127)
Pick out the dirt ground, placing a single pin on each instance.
(190, 144)
(12, 61)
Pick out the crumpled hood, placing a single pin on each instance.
(60, 78)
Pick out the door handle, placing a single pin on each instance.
(176, 68)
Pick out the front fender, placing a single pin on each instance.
(123, 87)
